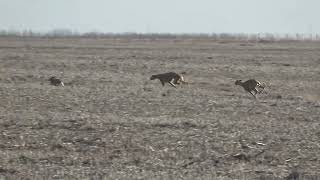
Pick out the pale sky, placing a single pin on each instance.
(163, 16)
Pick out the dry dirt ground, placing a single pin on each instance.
(111, 122)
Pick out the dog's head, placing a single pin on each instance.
(152, 77)
(238, 82)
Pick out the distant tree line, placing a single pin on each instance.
(66, 33)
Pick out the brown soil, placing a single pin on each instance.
(111, 122)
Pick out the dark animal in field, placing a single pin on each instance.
(251, 86)
(55, 81)
(171, 77)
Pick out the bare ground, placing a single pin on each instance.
(111, 122)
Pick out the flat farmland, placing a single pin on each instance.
(110, 121)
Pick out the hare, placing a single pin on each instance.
(55, 81)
